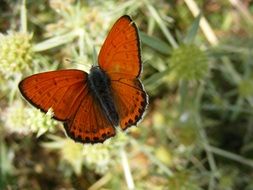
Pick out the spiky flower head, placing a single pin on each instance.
(97, 157)
(74, 16)
(40, 122)
(15, 52)
(21, 119)
(188, 62)
(15, 118)
(72, 153)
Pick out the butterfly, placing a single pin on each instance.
(92, 105)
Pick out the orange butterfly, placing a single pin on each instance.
(92, 105)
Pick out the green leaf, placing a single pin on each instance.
(55, 42)
(156, 77)
(192, 32)
(155, 43)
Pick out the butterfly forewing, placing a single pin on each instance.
(62, 90)
(120, 52)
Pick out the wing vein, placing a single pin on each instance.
(139, 89)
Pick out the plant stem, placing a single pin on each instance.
(204, 25)
(204, 139)
(242, 10)
(127, 172)
(23, 17)
(231, 156)
(81, 42)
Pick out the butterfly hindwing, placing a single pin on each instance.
(120, 52)
(61, 90)
(131, 100)
(89, 124)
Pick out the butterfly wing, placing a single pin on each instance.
(89, 124)
(62, 90)
(67, 93)
(120, 52)
(121, 60)
(131, 100)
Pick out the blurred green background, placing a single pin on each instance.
(197, 70)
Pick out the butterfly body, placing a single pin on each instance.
(99, 85)
(92, 105)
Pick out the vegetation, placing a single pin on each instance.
(198, 73)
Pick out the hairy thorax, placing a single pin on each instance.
(100, 86)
